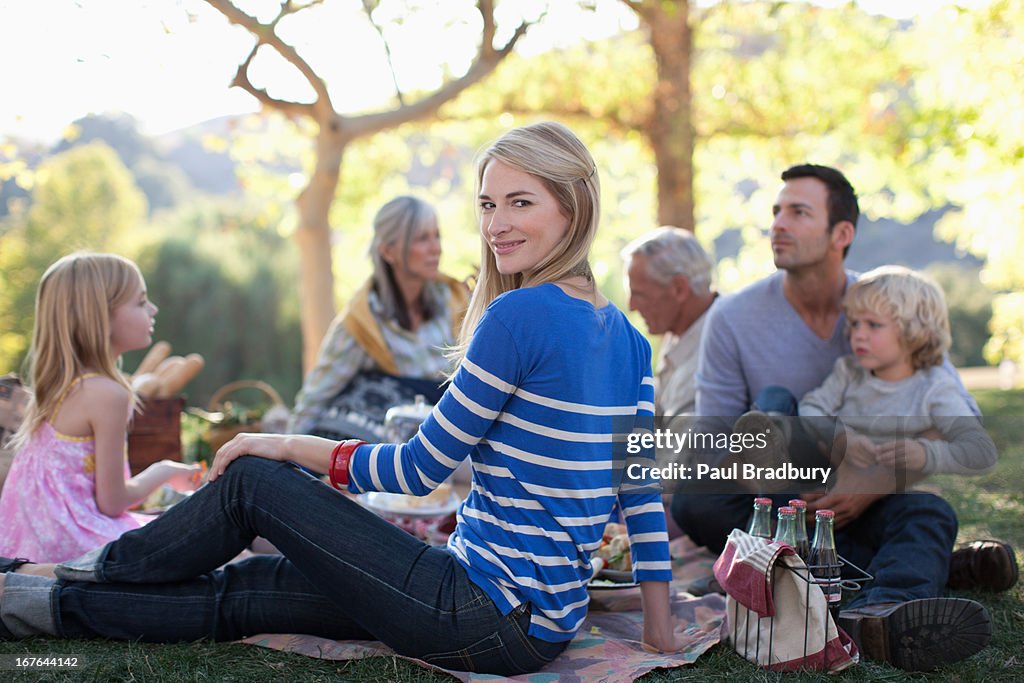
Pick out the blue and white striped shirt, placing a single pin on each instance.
(542, 402)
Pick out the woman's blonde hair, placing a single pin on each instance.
(74, 302)
(398, 222)
(554, 155)
(914, 301)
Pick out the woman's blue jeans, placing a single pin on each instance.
(344, 574)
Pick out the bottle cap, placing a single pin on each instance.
(828, 514)
(798, 503)
(787, 510)
(762, 501)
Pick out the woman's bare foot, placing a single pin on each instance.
(37, 570)
(32, 569)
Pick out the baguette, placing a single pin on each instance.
(154, 357)
(146, 385)
(168, 368)
(179, 375)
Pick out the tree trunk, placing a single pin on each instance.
(313, 237)
(671, 131)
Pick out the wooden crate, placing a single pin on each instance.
(155, 433)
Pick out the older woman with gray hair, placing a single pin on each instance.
(389, 343)
(669, 283)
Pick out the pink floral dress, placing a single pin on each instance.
(48, 510)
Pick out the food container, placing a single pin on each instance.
(230, 418)
(402, 422)
(155, 433)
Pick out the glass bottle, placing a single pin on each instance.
(761, 521)
(803, 546)
(824, 560)
(785, 531)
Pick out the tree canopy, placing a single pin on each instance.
(923, 115)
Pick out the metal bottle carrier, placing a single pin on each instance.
(752, 650)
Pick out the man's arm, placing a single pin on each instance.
(966, 395)
(721, 388)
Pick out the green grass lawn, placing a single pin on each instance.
(989, 506)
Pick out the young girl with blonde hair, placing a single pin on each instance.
(551, 379)
(69, 488)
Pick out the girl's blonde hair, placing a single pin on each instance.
(74, 302)
(554, 155)
(914, 301)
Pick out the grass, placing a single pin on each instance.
(989, 506)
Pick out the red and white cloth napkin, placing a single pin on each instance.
(775, 617)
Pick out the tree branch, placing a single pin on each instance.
(368, 7)
(241, 80)
(487, 59)
(265, 35)
(637, 6)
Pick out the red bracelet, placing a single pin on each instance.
(340, 456)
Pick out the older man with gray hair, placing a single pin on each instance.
(669, 283)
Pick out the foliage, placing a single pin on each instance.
(968, 114)
(970, 310)
(163, 184)
(767, 93)
(84, 198)
(928, 119)
(225, 285)
(1007, 341)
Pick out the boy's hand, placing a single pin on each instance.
(860, 450)
(902, 454)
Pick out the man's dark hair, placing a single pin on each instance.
(842, 200)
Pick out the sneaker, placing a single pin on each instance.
(919, 635)
(984, 566)
(9, 565)
(776, 451)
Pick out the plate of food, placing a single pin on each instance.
(612, 562)
(438, 503)
(615, 576)
(162, 499)
(608, 585)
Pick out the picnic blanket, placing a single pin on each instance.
(607, 647)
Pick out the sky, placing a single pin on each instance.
(169, 63)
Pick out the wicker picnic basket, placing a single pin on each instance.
(220, 433)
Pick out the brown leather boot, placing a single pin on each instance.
(919, 635)
(983, 565)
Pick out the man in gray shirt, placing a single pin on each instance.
(788, 330)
